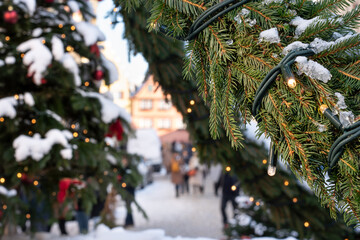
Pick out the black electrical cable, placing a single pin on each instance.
(272, 75)
(199, 23)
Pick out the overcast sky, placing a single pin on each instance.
(134, 70)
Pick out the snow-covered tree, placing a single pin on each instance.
(53, 122)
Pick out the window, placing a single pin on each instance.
(146, 104)
(150, 88)
(179, 124)
(163, 105)
(164, 123)
(145, 123)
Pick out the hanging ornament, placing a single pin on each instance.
(10, 16)
(43, 81)
(116, 129)
(98, 75)
(95, 49)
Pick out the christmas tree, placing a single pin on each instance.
(60, 140)
(292, 65)
(286, 203)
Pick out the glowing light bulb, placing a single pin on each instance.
(72, 28)
(36, 183)
(251, 199)
(323, 108)
(87, 140)
(192, 102)
(16, 96)
(264, 161)
(189, 110)
(60, 25)
(257, 203)
(18, 175)
(28, 216)
(271, 171)
(286, 183)
(7, 38)
(85, 131)
(86, 84)
(10, 8)
(306, 224)
(291, 82)
(123, 185)
(2, 119)
(294, 200)
(193, 149)
(43, 41)
(228, 169)
(75, 134)
(4, 207)
(33, 121)
(2, 180)
(63, 35)
(233, 188)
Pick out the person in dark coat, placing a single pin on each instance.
(230, 190)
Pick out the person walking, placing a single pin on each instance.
(196, 174)
(230, 190)
(176, 173)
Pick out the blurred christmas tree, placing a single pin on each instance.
(60, 140)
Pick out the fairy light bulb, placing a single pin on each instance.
(294, 200)
(33, 121)
(75, 134)
(228, 169)
(2, 180)
(286, 183)
(193, 149)
(272, 160)
(264, 161)
(2, 119)
(60, 25)
(10, 8)
(18, 175)
(251, 199)
(192, 102)
(271, 171)
(291, 82)
(189, 110)
(36, 183)
(306, 224)
(323, 108)
(233, 188)
(123, 185)
(87, 140)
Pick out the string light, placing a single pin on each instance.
(36, 183)
(193, 149)
(288, 75)
(28, 216)
(189, 110)
(286, 183)
(63, 35)
(85, 131)
(26, 168)
(87, 140)
(18, 175)
(264, 161)
(2, 119)
(257, 203)
(2, 180)
(60, 25)
(192, 102)
(251, 199)
(84, 60)
(115, 9)
(123, 185)
(233, 188)
(294, 200)
(272, 160)
(22, 55)
(228, 169)
(33, 121)
(306, 224)
(7, 38)
(43, 41)
(73, 126)
(69, 48)
(72, 28)
(75, 134)
(4, 207)
(106, 173)
(86, 84)
(30, 133)
(67, 8)
(16, 96)
(10, 8)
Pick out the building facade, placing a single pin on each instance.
(150, 108)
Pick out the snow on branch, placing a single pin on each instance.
(90, 33)
(30, 4)
(37, 57)
(7, 193)
(109, 110)
(313, 69)
(37, 147)
(271, 35)
(8, 104)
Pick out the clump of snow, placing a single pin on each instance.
(251, 22)
(271, 35)
(313, 69)
(267, 2)
(57, 48)
(90, 33)
(2, 63)
(28, 99)
(109, 110)
(74, 6)
(146, 143)
(30, 4)
(37, 147)
(301, 24)
(250, 133)
(10, 60)
(6, 192)
(319, 45)
(70, 64)
(1, 45)
(346, 118)
(244, 12)
(321, 127)
(37, 57)
(341, 101)
(66, 153)
(54, 115)
(113, 72)
(37, 32)
(111, 159)
(297, 45)
(7, 107)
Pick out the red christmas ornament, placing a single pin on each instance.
(43, 81)
(98, 75)
(95, 50)
(116, 129)
(10, 17)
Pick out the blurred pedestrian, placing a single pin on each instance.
(230, 190)
(176, 173)
(196, 174)
(215, 176)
